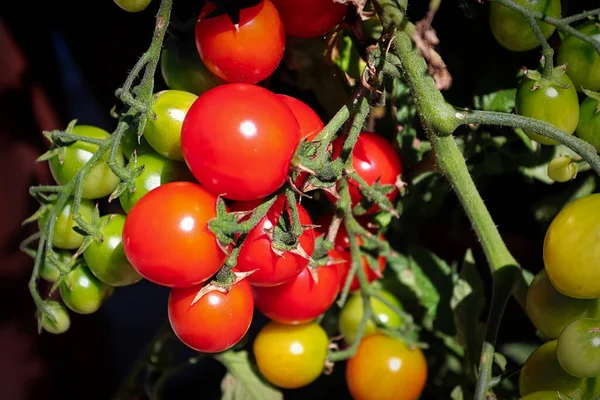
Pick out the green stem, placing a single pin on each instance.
(64, 136)
(580, 16)
(293, 212)
(546, 48)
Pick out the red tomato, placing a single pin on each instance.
(343, 261)
(309, 121)
(166, 238)
(310, 18)
(216, 322)
(373, 158)
(249, 53)
(238, 140)
(256, 252)
(301, 299)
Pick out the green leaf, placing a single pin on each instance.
(518, 352)
(501, 101)
(500, 361)
(457, 393)
(348, 59)
(242, 382)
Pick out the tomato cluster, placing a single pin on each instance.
(563, 302)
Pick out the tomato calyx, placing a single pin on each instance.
(233, 277)
(230, 7)
(543, 82)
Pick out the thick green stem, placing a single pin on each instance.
(580, 16)
(546, 48)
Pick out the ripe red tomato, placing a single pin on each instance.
(373, 159)
(344, 265)
(214, 323)
(238, 140)
(166, 238)
(310, 18)
(301, 299)
(256, 252)
(309, 121)
(247, 53)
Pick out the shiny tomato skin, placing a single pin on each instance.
(582, 60)
(214, 323)
(256, 253)
(572, 249)
(309, 121)
(248, 54)
(235, 148)
(302, 299)
(166, 237)
(373, 158)
(310, 18)
(385, 368)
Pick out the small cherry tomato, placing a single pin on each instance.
(554, 102)
(164, 132)
(64, 236)
(310, 18)
(130, 143)
(55, 318)
(157, 171)
(302, 299)
(309, 121)
(582, 60)
(572, 249)
(236, 149)
(588, 127)
(166, 237)
(182, 68)
(107, 259)
(100, 180)
(542, 371)
(375, 160)
(49, 271)
(578, 348)
(291, 356)
(214, 323)
(512, 30)
(352, 314)
(550, 311)
(246, 53)
(132, 5)
(562, 169)
(257, 254)
(385, 368)
(82, 292)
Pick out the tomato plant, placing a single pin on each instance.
(309, 19)
(265, 140)
(352, 314)
(107, 259)
(214, 323)
(571, 249)
(157, 171)
(578, 346)
(173, 247)
(82, 292)
(291, 356)
(512, 30)
(554, 101)
(100, 181)
(257, 254)
(64, 236)
(588, 127)
(246, 53)
(385, 368)
(582, 61)
(130, 143)
(50, 271)
(301, 299)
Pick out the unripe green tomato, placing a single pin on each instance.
(82, 292)
(512, 30)
(132, 5)
(352, 314)
(55, 318)
(49, 271)
(542, 371)
(588, 128)
(107, 259)
(182, 68)
(550, 311)
(129, 143)
(64, 236)
(543, 395)
(100, 181)
(157, 171)
(583, 62)
(578, 348)
(562, 169)
(551, 102)
(164, 132)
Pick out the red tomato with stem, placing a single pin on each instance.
(238, 140)
(214, 323)
(256, 252)
(373, 159)
(166, 238)
(301, 299)
(310, 18)
(247, 53)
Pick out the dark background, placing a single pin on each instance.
(63, 60)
